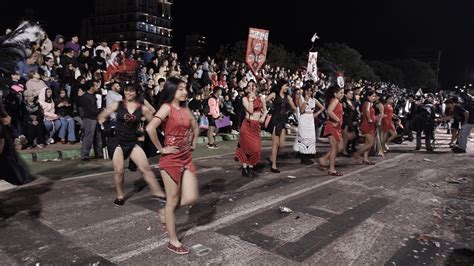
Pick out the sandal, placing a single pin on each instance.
(178, 250)
(335, 173)
(368, 162)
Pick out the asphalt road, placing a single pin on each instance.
(411, 208)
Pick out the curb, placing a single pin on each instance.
(43, 156)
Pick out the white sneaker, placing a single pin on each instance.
(51, 141)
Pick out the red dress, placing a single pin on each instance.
(177, 133)
(329, 128)
(249, 146)
(387, 123)
(366, 127)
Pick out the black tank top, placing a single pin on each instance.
(128, 124)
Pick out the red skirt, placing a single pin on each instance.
(249, 146)
(175, 164)
(333, 131)
(387, 125)
(367, 128)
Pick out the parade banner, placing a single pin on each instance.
(312, 69)
(257, 46)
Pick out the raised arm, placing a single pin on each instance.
(195, 129)
(107, 111)
(331, 113)
(159, 117)
(367, 113)
(292, 104)
(320, 107)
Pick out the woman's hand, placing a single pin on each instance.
(169, 150)
(193, 146)
(6, 120)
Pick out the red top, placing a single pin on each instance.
(177, 133)
(387, 120)
(366, 127)
(338, 112)
(329, 128)
(388, 112)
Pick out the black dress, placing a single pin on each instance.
(279, 115)
(13, 169)
(126, 131)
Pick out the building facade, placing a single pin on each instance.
(135, 23)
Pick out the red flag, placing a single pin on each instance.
(257, 46)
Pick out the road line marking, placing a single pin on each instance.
(152, 166)
(255, 206)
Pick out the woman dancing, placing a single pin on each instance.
(176, 165)
(125, 142)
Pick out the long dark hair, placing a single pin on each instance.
(368, 92)
(277, 88)
(46, 98)
(169, 91)
(330, 93)
(59, 99)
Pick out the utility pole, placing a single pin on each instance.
(437, 70)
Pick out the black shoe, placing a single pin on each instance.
(417, 148)
(458, 150)
(245, 172)
(85, 159)
(119, 202)
(275, 170)
(306, 161)
(252, 172)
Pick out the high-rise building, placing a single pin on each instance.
(136, 23)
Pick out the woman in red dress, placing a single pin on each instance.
(367, 127)
(332, 129)
(249, 146)
(176, 166)
(389, 132)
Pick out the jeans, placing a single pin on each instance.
(90, 137)
(69, 126)
(52, 126)
(464, 134)
(428, 137)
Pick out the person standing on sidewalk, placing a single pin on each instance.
(176, 165)
(249, 146)
(89, 129)
(125, 144)
(214, 113)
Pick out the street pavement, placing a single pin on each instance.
(411, 208)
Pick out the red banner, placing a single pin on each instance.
(257, 46)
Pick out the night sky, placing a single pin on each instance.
(378, 29)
